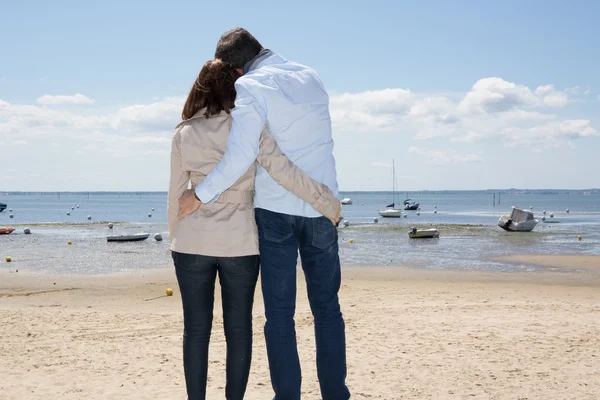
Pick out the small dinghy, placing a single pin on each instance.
(6, 231)
(2, 207)
(423, 233)
(136, 237)
(347, 201)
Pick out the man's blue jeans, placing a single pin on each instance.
(281, 236)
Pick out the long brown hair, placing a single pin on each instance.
(213, 90)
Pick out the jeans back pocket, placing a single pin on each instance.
(324, 233)
(274, 227)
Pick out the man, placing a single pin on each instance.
(291, 101)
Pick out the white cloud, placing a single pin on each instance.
(552, 97)
(373, 109)
(492, 108)
(372, 124)
(490, 95)
(120, 133)
(439, 157)
(75, 99)
(160, 116)
(576, 90)
(35, 121)
(438, 110)
(544, 90)
(573, 90)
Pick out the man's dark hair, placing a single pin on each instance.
(237, 47)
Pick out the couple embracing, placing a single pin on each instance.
(255, 143)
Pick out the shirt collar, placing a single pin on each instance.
(260, 57)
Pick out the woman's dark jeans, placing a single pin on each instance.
(196, 276)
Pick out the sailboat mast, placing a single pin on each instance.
(394, 182)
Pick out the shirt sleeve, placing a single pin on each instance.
(248, 121)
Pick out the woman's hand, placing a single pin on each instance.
(329, 206)
(336, 220)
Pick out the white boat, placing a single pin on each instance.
(423, 233)
(391, 211)
(518, 221)
(136, 237)
(347, 201)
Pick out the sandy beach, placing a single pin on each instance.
(412, 334)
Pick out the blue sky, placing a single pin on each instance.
(463, 95)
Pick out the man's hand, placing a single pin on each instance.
(188, 203)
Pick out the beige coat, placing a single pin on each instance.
(226, 228)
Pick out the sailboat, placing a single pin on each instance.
(390, 210)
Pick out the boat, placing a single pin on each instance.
(136, 237)
(390, 213)
(390, 210)
(347, 201)
(6, 231)
(518, 221)
(423, 233)
(410, 205)
(2, 207)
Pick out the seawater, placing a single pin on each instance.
(469, 239)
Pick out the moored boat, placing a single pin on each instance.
(390, 210)
(518, 221)
(390, 213)
(423, 233)
(136, 237)
(6, 231)
(2, 207)
(410, 205)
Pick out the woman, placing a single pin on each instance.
(221, 238)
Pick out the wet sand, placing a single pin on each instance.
(580, 262)
(411, 333)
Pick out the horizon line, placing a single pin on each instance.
(341, 191)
